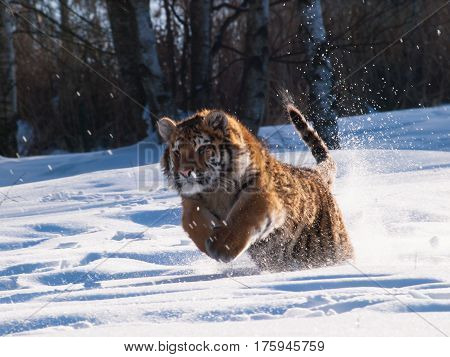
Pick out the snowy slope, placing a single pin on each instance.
(90, 244)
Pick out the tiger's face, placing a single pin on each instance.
(199, 155)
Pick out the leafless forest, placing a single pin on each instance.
(78, 75)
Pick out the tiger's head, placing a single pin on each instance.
(204, 153)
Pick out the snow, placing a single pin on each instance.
(94, 245)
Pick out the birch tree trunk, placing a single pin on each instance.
(255, 77)
(319, 72)
(158, 96)
(200, 19)
(171, 49)
(8, 89)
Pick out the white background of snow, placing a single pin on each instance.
(85, 251)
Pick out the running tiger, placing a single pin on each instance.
(237, 197)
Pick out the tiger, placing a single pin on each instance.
(237, 197)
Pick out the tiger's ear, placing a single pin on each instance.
(166, 127)
(217, 120)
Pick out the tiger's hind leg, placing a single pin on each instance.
(324, 243)
(334, 242)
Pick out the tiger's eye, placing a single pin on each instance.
(206, 150)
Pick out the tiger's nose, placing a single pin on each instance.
(185, 172)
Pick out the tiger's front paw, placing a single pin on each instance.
(218, 246)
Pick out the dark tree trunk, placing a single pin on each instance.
(135, 45)
(255, 78)
(125, 38)
(156, 90)
(318, 72)
(8, 89)
(200, 19)
(66, 104)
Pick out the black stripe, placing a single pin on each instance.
(190, 122)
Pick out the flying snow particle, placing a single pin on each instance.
(109, 152)
(78, 94)
(50, 167)
(89, 132)
(438, 32)
(434, 241)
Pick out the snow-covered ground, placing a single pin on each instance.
(90, 244)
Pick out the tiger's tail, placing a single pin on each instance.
(326, 166)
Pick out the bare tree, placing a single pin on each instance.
(255, 78)
(318, 71)
(170, 41)
(200, 19)
(8, 92)
(66, 88)
(135, 45)
(154, 82)
(125, 38)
